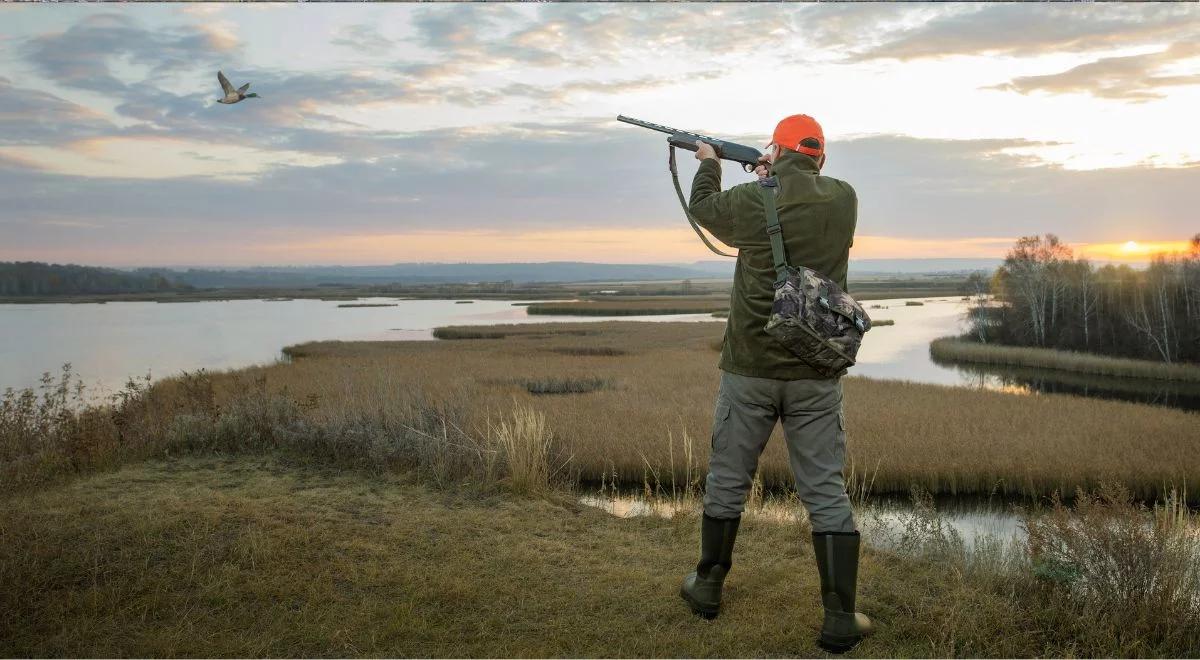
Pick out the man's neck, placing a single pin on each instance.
(794, 161)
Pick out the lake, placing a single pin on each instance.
(108, 343)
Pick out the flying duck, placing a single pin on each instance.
(233, 95)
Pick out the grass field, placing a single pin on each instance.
(257, 556)
(658, 409)
(957, 349)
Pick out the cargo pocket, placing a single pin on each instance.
(720, 421)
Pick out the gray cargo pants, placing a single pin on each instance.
(811, 410)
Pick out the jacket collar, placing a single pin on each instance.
(793, 161)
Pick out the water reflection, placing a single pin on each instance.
(1028, 380)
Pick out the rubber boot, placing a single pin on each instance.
(702, 588)
(837, 562)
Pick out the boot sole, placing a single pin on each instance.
(703, 611)
(838, 645)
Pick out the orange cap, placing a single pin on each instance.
(792, 130)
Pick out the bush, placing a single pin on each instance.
(1127, 577)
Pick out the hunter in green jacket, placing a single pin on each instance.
(817, 213)
(763, 384)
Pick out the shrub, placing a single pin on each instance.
(565, 385)
(526, 447)
(1126, 573)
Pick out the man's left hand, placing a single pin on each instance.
(705, 150)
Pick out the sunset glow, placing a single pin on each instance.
(1131, 251)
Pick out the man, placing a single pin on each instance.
(762, 382)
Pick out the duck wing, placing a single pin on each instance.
(228, 88)
(243, 88)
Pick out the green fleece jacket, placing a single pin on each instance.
(817, 214)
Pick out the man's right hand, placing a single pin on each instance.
(764, 166)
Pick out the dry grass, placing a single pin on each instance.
(956, 349)
(1139, 574)
(527, 448)
(880, 322)
(947, 440)
(257, 557)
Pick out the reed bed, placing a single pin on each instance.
(607, 351)
(958, 349)
(947, 440)
(565, 385)
(539, 331)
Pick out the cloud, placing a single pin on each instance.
(33, 117)
(81, 56)
(533, 178)
(1033, 29)
(490, 36)
(963, 188)
(362, 36)
(1130, 78)
(563, 92)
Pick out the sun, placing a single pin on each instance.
(1130, 246)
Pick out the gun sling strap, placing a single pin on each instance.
(767, 187)
(688, 213)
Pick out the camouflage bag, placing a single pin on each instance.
(811, 315)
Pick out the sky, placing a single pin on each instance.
(487, 133)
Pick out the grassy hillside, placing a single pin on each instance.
(256, 556)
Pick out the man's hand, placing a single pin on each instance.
(764, 166)
(705, 150)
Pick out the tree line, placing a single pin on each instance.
(1042, 296)
(31, 278)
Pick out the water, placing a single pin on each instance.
(901, 352)
(885, 523)
(108, 343)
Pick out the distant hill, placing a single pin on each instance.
(874, 266)
(432, 273)
(39, 279)
(554, 271)
(31, 278)
(865, 266)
